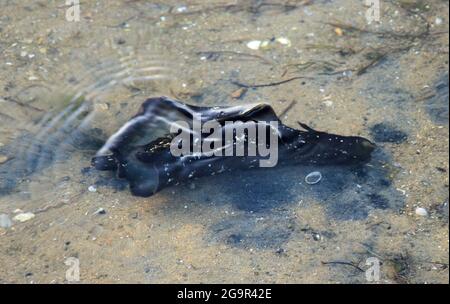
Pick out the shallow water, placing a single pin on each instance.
(67, 86)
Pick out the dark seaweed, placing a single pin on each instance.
(140, 151)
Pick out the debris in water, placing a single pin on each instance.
(313, 178)
(92, 189)
(23, 217)
(141, 152)
(270, 84)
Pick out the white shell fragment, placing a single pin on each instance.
(23, 217)
(284, 41)
(254, 44)
(421, 211)
(265, 44)
(313, 178)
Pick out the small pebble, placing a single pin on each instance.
(100, 211)
(3, 159)
(254, 45)
(182, 9)
(328, 103)
(280, 251)
(23, 217)
(339, 31)
(238, 93)
(5, 222)
(421, 211)
(92, 188)
(347, 73)
(284, 41)
(316, 237)
(101, 107)
(313, 178)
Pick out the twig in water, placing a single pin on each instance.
(24, 105)
(123, 23)
(261, 85)
(344, 263)
(212, 54)
(58, 205)
(372, 63)
(288, 108)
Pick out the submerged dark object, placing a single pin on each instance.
(140, 150)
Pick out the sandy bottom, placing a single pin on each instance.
(386, 81)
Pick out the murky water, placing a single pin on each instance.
(67, 86)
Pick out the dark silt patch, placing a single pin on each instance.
(103, 179)
(254, 230)
(437, 105)
(20, 164)
(351, 193)
(387, 133)
(442, 210)
(262, 199)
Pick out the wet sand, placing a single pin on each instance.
(387, 82)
